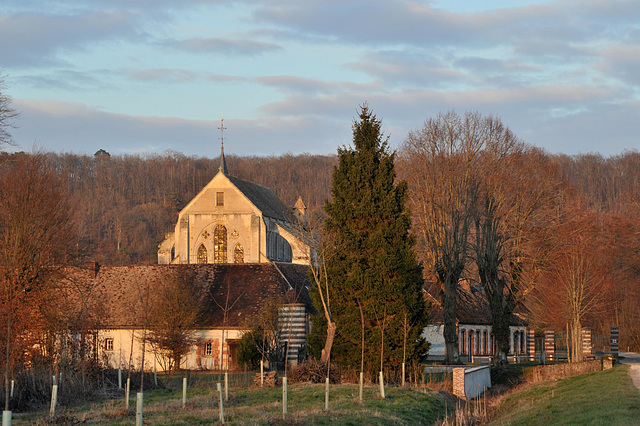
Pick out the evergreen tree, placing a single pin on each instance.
(374, 278)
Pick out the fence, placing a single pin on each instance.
(208, 380)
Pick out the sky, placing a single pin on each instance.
(288, 76)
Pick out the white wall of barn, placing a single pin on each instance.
(118, 346)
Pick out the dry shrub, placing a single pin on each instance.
(33, 387)
(468, 413)
(312, 371)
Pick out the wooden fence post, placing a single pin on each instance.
(126, 393)
(284, 397)
(326, 395)
(219, 386)
(139, 408)
(184, 392)
(54, 400)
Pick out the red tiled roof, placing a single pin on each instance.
(242, 288)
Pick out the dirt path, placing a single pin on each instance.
(633, 359)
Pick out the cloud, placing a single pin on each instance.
(177, 75)
(308, 86)
(36, 39)
(71, 127)
(228, 46)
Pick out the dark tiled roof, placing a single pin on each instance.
(240, 289)
(472, 306)
(263, 198)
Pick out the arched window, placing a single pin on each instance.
(238, 254)
(220, 244)
(202, 254)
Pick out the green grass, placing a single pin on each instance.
(602, 398)
(264, 406)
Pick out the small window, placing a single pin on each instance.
(108, 344)
(220, 244)
(207, 349)
(238, 254)
(219, 198)
(202, 254)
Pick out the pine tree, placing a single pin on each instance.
(369, 256)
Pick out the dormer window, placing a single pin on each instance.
(219, 198)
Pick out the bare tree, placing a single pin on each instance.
(225, 306)
(7, 114)
(36, 234)
(439, 163)
(174, 316)
(318, 270)
(575, 289)
(515, 192)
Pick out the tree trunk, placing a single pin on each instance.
(500, 315)
(328, 343)
(451, 356)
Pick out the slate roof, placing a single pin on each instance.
(472, 306)
(243, 289)
(263, 198)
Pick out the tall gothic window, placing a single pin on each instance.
(238, 254)
(220, 244)
(202, 254)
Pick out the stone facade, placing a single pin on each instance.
(235, 221)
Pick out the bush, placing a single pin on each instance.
(249, 355)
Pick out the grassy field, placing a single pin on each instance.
(601, 398)
(264, 406)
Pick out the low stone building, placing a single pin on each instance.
(229, 297)
(475, 338)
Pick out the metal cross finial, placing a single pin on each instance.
(222, 129)
(223, 163)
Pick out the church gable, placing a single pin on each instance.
(219, 196)
(235, 221)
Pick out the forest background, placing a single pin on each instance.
(126, 204)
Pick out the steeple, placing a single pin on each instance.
(223, 163)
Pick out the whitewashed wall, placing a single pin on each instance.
(118, 356)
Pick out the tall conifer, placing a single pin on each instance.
(369, 255)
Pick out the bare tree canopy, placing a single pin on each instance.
(440, 163)
(37, 235)
(7, 114)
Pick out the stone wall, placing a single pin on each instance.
(541, 373)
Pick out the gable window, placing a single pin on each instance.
(219, 198)
(238, 254)
(207, 349)
(202, 254)
(220, 244)
(108, 344)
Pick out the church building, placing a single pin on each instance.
(235, 221)
(241, 250)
